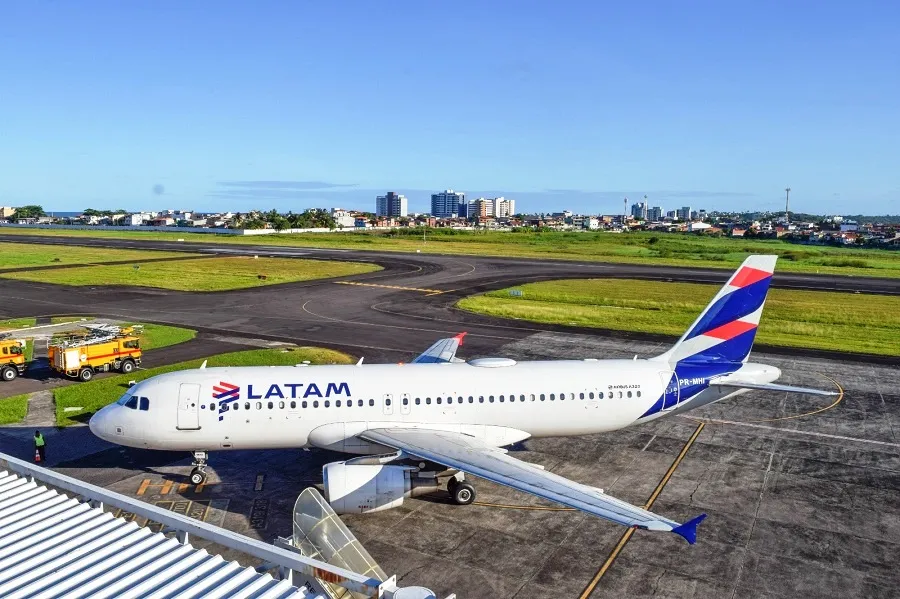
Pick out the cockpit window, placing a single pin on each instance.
(132, 402)
(145, 404)
(124, 399)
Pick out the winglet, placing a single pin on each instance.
(460, 337)
(688, 530)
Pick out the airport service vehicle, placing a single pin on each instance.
(12, 358)
(441, 416)
(103, 348)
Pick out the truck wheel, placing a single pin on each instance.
(9, 373)
(127, 366)
(86, 374)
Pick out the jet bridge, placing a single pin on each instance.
(56, 539)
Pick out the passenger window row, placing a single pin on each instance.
(512, 398)
(271, 405)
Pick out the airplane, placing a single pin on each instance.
(411, 424)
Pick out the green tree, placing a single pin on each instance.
(30, 211)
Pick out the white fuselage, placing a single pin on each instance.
(497, 400)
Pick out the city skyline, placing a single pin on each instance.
(202, 105)
(419, 201)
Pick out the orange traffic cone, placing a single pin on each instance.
(37, 455)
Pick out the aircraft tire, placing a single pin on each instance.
(198, 477)
(9, 373)
(463, 494)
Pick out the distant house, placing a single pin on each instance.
(698, 226)
(163, 221)
(738, 232)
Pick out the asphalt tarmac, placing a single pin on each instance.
(801, 492)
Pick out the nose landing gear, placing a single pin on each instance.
(198, 473)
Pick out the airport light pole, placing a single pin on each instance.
(787, 203)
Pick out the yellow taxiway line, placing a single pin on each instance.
(399, 287)
(628, 533)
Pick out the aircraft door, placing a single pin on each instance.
(188, 406)
(404, 404)
(670, 389)
(388, 404)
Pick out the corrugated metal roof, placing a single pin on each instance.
(54, 546)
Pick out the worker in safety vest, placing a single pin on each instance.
(39, 446)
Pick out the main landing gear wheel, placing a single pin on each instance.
(461, 493)
(198, 476)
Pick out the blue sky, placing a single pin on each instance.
(206, 105)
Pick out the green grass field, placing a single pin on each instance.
(155, 336)
(205, 274)
(92, 396)
(673, 249)
(16, 323)
(13, 409)
(810, 319)
(19, 255)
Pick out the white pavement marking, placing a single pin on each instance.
(798, 432)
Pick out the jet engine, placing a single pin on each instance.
(361, 488)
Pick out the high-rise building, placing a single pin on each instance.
(504, 208)
(639, 210)
(391, 204)
(446, 204)
(481, 207)
(683, 213)
(493, 207)
(655, 214)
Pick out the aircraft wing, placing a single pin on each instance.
(466, 453)
(443, 350)
(769, 387)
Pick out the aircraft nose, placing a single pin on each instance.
(100, 424)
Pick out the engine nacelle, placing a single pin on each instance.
(361, 488)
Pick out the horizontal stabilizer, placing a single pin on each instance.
(770, 387)
(688, 530)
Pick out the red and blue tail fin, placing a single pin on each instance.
(724, 332)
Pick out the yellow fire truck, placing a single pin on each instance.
(103, 348)
(12, 358)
